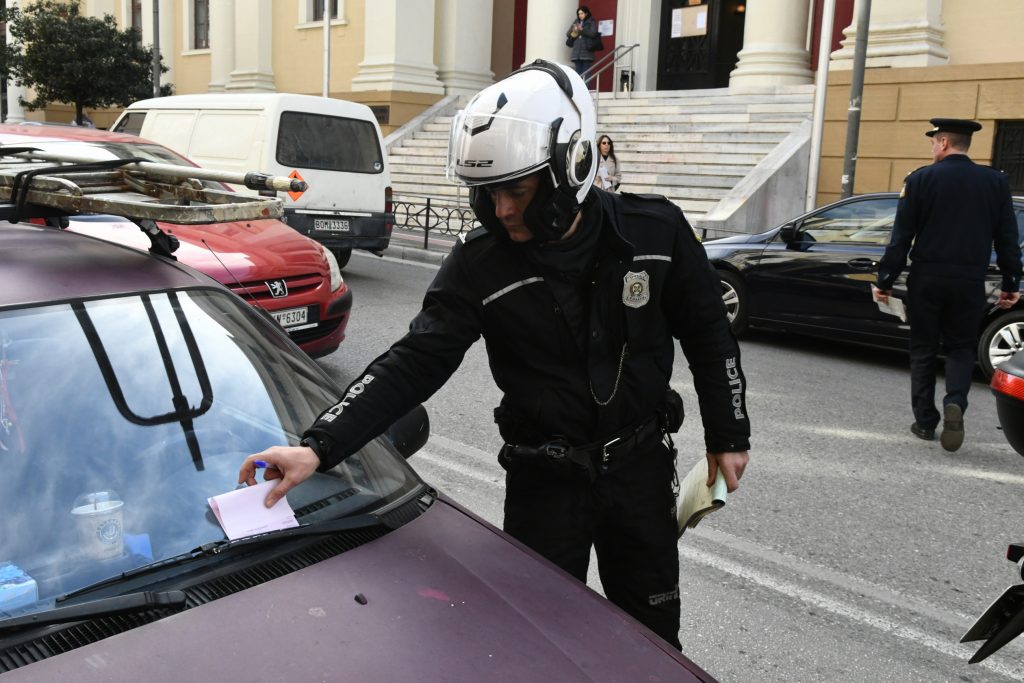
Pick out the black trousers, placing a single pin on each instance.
(627, 515)
(944, 314)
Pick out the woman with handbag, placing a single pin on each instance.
(582, 37)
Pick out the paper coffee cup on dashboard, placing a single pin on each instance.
(100, 520)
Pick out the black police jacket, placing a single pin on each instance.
(949, 217)
(652, 284)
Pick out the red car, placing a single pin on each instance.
(295, 279)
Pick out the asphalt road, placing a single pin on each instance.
(851, 552)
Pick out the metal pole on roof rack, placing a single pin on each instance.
(254, 181)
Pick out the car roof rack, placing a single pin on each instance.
(43, 184)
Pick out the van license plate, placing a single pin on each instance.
(290, 317)
(331, 225)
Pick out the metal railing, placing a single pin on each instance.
(611, 61)
(432, 215)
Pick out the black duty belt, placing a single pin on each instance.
(594, 458)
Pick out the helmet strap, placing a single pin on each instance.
(549, 215)
(552, 210)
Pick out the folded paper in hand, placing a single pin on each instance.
(696, 498)
(894, 307)
(242, 513)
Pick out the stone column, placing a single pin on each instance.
(774, 40)
(464, 49)
(254, 37)
(904, 33)
(546, 24)
(15, 112)
(222, 44)
(639, 21)
(399, 52)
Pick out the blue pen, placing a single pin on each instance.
(263, 464)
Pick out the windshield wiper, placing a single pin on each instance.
(324, 528)
(327, 527)
(104, 607)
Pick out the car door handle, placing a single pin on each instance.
(862, 263)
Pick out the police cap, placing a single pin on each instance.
(961, 126)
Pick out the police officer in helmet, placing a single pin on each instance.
(580, 296)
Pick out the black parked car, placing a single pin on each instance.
(813, 275)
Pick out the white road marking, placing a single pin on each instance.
(853, 613)
(1002, 477)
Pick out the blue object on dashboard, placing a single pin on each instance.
(17, 589)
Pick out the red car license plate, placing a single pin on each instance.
(290, 317)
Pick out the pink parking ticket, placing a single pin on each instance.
(242, 513)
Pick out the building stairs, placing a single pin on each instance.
(692, 146)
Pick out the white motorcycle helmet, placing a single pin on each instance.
(538, 117)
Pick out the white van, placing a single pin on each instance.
(334, 145)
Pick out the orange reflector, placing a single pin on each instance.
(295, 195)
(1007, 384)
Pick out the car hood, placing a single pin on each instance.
(250, 250)
(445, 597)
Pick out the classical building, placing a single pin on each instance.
(925, 58)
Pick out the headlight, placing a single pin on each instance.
(332, 264)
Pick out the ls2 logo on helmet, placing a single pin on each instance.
(636, 289)
(475, 163)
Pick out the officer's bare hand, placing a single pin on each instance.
(1008, 299)
(732, 465)
(292, 464)
(881, 295)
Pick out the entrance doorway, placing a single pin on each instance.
(698, 43)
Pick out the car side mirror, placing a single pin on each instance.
(410, 432)
(787, 233)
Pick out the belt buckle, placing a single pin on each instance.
(556, 449)
(604, 449)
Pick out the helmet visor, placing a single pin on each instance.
(492, 148)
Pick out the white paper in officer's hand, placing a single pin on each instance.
(242, 513)
(893, 306)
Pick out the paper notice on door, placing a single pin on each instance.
(242, 513)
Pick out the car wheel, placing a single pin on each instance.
(734, 296)
(1003, 337)
(343, 255)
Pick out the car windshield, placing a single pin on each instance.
(133, 411)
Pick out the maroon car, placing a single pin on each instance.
(131, 388)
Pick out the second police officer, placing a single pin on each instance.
(579, 296)
(949, 217)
